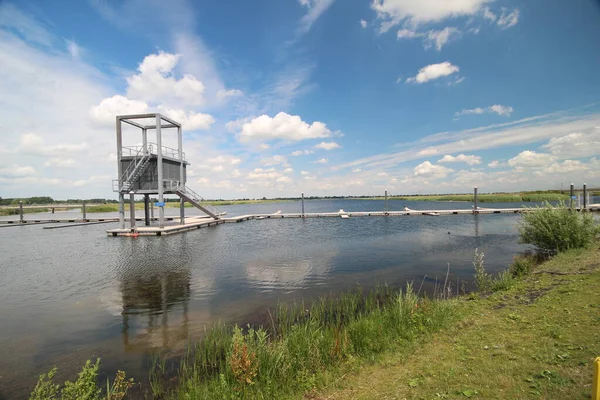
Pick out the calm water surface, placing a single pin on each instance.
(68, 295)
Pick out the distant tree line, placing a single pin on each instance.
(43, 200)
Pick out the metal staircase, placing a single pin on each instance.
(135, 168)
(197, 201)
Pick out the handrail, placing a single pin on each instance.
(151, 147)
(137, 161)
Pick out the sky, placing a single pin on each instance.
(325, 97)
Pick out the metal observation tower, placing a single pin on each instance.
(153, 169)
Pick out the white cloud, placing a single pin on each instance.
(496, 164)
(489, 15)
(417, 12)
(155, 82)
(530, 159)
(468, 159)
(284, 179)
(434, 71)
(261, 173)
(264, 146)
(363, 23)
(431, 38)
(431, 171)
(502, 110)
(17, 171)
(315, 8)
(274, 160)
(508, 18)
(13, 19)
(288, 170)
(327, 146)
(190, 121)
(217, 168)
(105, 112)
(284, 127)
(301, 153)
(226, 94)
(224, 159)
(59, 162)
(304, 172)
(499, 109)
(355, 170)
(33, 144)
(575, 144)
(322, 161)
(565, 167)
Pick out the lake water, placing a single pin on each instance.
(68, 295)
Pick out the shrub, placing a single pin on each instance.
(521, 266)
(554, 229)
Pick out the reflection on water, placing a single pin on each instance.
(72, 294)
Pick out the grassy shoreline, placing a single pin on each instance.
(484, 197)
(534, 339)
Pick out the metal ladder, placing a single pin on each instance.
(195, 199)
(134, 170)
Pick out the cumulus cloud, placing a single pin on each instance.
(273, 160)
(155, 82)
(327, 146)
(283, 127)
(428, 170)
(530, 159)
(189, 120)
(363, 23)
(225, 94)
(577, 144)
(499, 109)
(59, 162)
(322, 161)
(468, 159)
(301, 153)
(496, 164)
(433, 71)
(16, 171)
(105, 112)
(565, 167)
(224, 159)
(33, 144)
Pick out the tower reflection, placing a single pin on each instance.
(155, 292)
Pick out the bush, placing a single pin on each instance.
(521, 266)
(555, 229)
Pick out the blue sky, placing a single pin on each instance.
(325, 97)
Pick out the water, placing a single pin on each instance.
(68, 295)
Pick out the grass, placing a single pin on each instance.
(301, 345)
(486, 197)
(535, 340)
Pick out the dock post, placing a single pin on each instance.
(147, 209)
(132, 209)
(152, 209)
(303, 205)
(52, 210)
(122, 210)
(182, 211)
(584, 196)
(21, 219)
(571, 194)
(161, 182)
(475, 200)
(83, 210)
(386, 204)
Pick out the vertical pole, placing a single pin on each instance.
(302, 204)
(161, 184)
(122, 210)
(21, 219)
(386, 203)
(571, 196)
(475, 200)
(596, 380)
(181, 174)
(152, 209)
(120, 173)
(145, 141)
(584, 196)
(182, 211)
(52, 210)
(147, 209)
(83, 210)
(132, 209)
